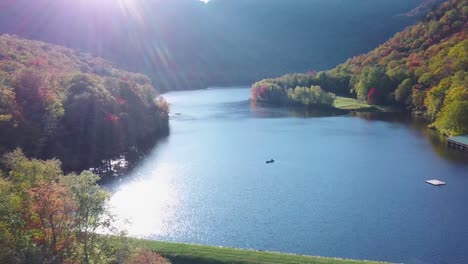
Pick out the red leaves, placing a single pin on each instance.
(358, 59)
(414, 64)
(428, 42)
(259, 92)
(148, 257)
(312, 73)
(121, 101)
(46, 95)
(38, 62)
(33, 86)
(371, 96)
(112, 118)
(386, 52)
(52, 214)
(414, 60)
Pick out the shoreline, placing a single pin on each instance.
(181, 253)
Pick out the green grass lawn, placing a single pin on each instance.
(352, 104)
(197, 254)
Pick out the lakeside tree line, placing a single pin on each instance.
(304, 93)
(422, 69)
(57, 102)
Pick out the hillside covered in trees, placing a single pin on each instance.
(422, 69)
(187, 44)
(57, 102)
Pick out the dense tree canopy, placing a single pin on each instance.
(423, 69)
(297, 89)
(56, 102)
(419, 67)
(49, 217)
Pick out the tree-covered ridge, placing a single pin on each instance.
(423, 69)
(57, 102)
(187, 44)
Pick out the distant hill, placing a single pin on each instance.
(59, 102)
(184, 44)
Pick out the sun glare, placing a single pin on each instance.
(107, 3)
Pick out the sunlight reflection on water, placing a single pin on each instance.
(338, 182)
(148, 202)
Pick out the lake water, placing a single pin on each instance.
(343, 186)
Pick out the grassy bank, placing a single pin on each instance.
(352, 104)
(197, 254)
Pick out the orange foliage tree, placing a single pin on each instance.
(148, 257)
(52, 216)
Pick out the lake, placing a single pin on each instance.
(349, 186)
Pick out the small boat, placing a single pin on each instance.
(269, 161)
(178, 114)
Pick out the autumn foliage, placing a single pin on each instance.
(57, 102)
(52, 218)
(371, 96)
(419, 67)
(417, 70)
(49, 217)
(148, 257)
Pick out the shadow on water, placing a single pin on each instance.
(260, 110)
(417, 125)
(420, 128)
(249, 109)
(129, 161)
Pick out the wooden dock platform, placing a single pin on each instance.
(436, 182)
(460, 142)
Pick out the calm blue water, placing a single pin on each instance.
(341, 186)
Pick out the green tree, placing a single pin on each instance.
(372, 77)
(15, 244)
(46, 217)
(313, 96)
(453, 119)
(403, 92)
(7, 106)
(434, 100)
(92, 213)
(92, 123)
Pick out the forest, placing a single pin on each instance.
(422, 69)
(311, 96)
(187, 44)
(68, 116)
(49, 217)
(60, 103)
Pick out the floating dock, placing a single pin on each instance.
(460, 142)
(436, 182)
